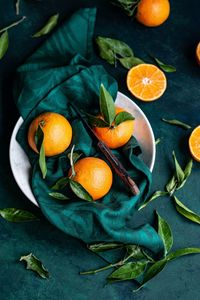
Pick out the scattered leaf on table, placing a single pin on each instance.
(17, 215)
(4, 43)
(153, 197)
(107, 106)
(122, 117)
(164, 67)
(171, 185)
(99, 247)
(58, 196)
(180, 176)
(129, 62)
(187, 171)
(79, 191)
(165, 233)
(152, 271)
(96, 121)
(39, 141)
(186, 212)
(110, 48)
(128, 6)
(34, 264)
(48, 27)
(181, 252)
(128, 271)
(60, 183)
(135, 251)
(177, 123)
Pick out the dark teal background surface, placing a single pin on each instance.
(173, 42)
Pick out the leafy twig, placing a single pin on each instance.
(13, 24)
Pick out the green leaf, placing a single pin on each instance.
(128, 271)
(153, 197)
(123, 116)
(4, 43)
(177, 123)
(135, 251)
(186, 212)
(128, 6)
(187, 172)
(154, 269)
(164, 67)
(58, 196)
(110, 48)
(99, 247)
(39, 141)
(34, 264)
(107, 105)
(96, 121)
(179, 172)
(17, 215)
(48, 27)
(60, 183)
(79, 191)
(171, 185)
(165, 233)
(182, 252)
(129, 62)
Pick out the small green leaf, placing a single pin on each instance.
(39, 141)
(128, 271)
(110, 48)
(58, 196)
(4, 43)
(187, 172)
(177, 123)
(153, 270)
(129, 62)
(79, 191)
(60, 183)
(96, 121)
(182, 252)
(48, 27)
(186, 212)
(99, 247)
(17, 215)
(123, 116)
(107, 105)
(157, 141)
(153, 197)
(171, 185)
(179, 172)
(165, 233)
(34, 264)
(164, 67)
(128, 6)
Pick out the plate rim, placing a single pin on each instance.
(20, 121)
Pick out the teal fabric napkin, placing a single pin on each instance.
(58, 73)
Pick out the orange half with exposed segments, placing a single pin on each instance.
(146, 82)
(194, 143)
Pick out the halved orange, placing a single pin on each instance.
(194, 143)
(198, 53)
(146, 82)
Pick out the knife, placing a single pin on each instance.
(113, 160)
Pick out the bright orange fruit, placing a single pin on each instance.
(146, 82)
(153, 13)
(198, 53)
(57, 133)
(115, 137)
(94, 175)
(194, 143)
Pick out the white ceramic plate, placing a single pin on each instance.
(21, 167)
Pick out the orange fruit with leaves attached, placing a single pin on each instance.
(57, 133)
(94, 175)
(198, 53)
(116, 136)
(152, 13)
(194, 143)
(146, 82)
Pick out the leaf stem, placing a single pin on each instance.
(119, 263)
(17, 7)
(72, 162)
(13, 24)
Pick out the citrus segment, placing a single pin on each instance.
(146, 82)
(194, 143)
(94, 175)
